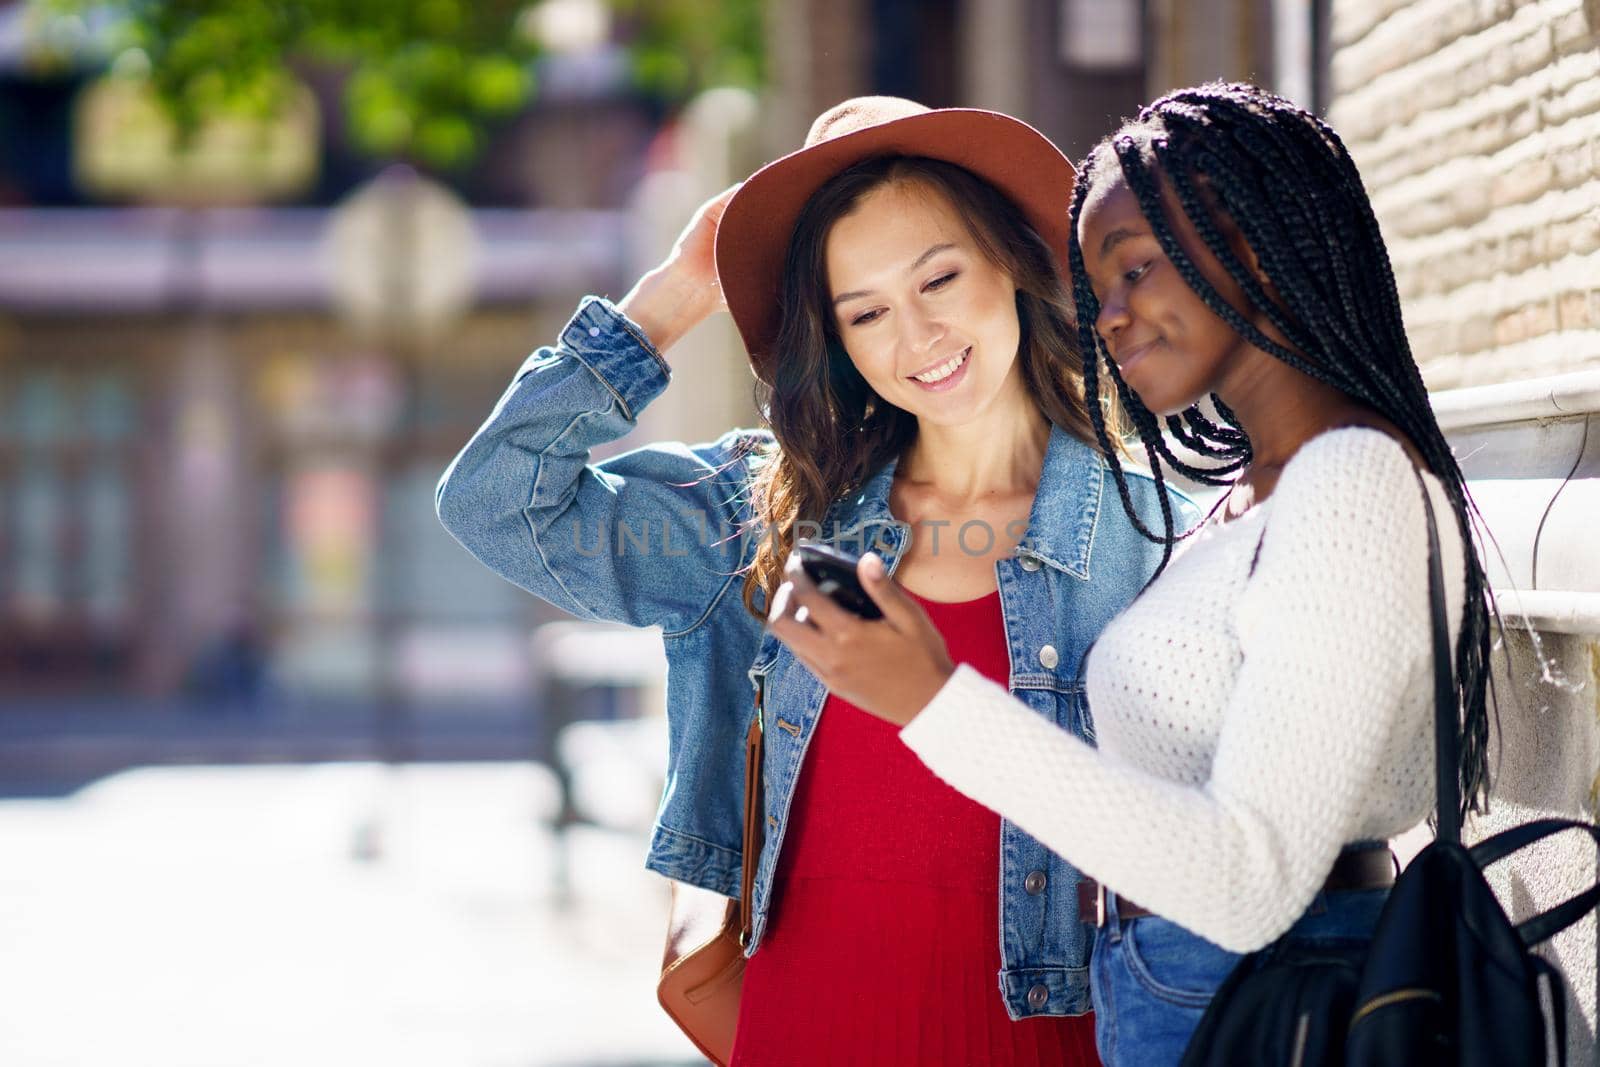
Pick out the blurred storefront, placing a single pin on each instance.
(187, 472)
(216, 484)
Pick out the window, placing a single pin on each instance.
(67, 527)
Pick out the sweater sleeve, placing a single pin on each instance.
(1333, 627)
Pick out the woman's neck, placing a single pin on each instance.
(998, 455)
(1282, 408)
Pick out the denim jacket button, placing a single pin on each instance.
(1030, 563)
(1034, 884)
(1038, 997)
(1048, 657)
(594, 331)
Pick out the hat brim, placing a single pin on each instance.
(754, 233)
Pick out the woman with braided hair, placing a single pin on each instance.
(1263, 710)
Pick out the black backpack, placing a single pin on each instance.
(1447, 979)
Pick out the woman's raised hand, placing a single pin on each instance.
(891, 667)
(682, 292)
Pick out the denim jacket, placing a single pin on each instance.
(660, 536)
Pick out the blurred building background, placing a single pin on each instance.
(233, 373)
(230, 375)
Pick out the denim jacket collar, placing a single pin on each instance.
(1070, 484)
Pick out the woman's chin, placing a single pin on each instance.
(973, 407)
(1168, 409)
(1165, 402)
(950, 415)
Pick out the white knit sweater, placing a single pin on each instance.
(1248, 726)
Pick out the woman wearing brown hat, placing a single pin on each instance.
(897, 285)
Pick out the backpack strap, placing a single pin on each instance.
(1553, 998)
(1544, 926)
(1549, 923)
(1446, 715)
(1496, 848)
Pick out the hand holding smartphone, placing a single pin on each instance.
(834, 573)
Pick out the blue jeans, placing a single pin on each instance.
(1151, 979)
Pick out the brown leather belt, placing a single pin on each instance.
(1356, 868)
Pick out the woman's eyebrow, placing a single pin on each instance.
(856, 294)
(1117, 236)
(929, 254)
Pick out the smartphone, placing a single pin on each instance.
(835, 575)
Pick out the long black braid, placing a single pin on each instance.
(1285, 180)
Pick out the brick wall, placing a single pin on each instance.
(1476, 124)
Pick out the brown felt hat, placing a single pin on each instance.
(753, 236)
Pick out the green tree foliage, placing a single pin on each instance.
(424, 76)
(680, 47)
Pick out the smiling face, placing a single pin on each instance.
(1169, 346)
(925, 317)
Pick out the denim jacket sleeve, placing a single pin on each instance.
(653, 537)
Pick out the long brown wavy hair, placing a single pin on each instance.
(832, 432)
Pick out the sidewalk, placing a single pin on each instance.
(54, 748)
(225, 917)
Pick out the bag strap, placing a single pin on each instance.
(754, 837)
(1496, 848)
(1553, 986)
(1544, 926)
(1446, 716)
(1547, 924)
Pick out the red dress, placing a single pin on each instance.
(883, 943)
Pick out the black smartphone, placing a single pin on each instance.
(835, 575)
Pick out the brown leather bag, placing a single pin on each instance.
(700, 986)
